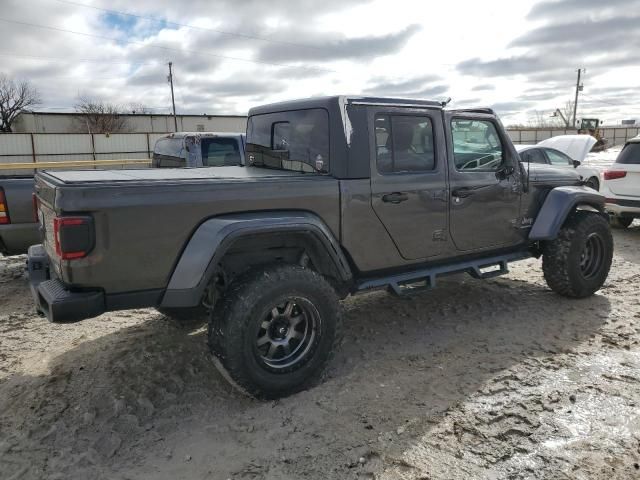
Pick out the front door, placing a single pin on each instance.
(408, 179)
(485, 184)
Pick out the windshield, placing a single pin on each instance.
(297, 140)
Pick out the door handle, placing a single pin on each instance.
(395, 197)
(462, 192)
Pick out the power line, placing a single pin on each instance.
(83, 60)
(590, 98)
(170, 49)
(166, 22)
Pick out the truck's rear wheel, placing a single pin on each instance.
(275, 329)
(577, 262)
(621, 222)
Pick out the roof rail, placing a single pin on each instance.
(474, 110)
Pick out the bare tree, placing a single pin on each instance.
(567, 111)
(544, 120)
(96, 116)
(14, 98)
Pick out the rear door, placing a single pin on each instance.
(629, 161)
(408, 179)
(485, 183)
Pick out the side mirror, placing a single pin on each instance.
(504, 172)
(576, 163)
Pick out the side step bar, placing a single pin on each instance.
(424, 279)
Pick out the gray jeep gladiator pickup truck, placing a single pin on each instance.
(340, 195)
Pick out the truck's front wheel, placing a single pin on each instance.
(275, 329)
(577, 262)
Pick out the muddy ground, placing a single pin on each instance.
(476, 379)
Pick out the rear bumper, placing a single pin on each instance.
(53, 298)
(15, 239)
(629, 207)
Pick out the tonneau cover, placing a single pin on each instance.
(165, 174)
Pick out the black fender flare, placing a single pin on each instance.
(214, 237)
(558, 205)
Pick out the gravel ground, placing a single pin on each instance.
(476, 379)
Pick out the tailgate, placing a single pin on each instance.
(45, 193)
(45, 217)
(629, 185)
(628, 161)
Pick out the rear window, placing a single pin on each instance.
(169, 153)
(220, 152)
(297, 140)
(629, 154)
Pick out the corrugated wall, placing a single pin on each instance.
(54, 147)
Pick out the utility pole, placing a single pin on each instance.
(173, 101)
(575, 103)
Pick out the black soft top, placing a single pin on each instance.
(329, 103)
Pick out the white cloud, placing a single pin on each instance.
(508, 54)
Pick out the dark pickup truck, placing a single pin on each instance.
(18, 227)
(340, 195)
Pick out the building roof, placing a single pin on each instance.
(125, 114)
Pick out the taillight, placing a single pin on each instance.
(614, 174)
(73, 236)
(4, 209)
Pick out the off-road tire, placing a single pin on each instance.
(594, 183)
(561, 259)
(239, 317)
(621, 222)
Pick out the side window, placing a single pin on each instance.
(404, 143)
(476, 145)
(220, 152)
(534, 155)
(296, 140)
(558, 158)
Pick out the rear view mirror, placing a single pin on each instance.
(576, 163)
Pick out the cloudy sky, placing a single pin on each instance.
(517, 56)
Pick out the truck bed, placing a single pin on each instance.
(75, 177)
(143, 218)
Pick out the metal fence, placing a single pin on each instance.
(60, 147)
(57, 147)
(529, 136)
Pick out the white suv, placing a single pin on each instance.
(621, 185)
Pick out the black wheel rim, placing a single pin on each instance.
(287, 334)
(592, 256)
